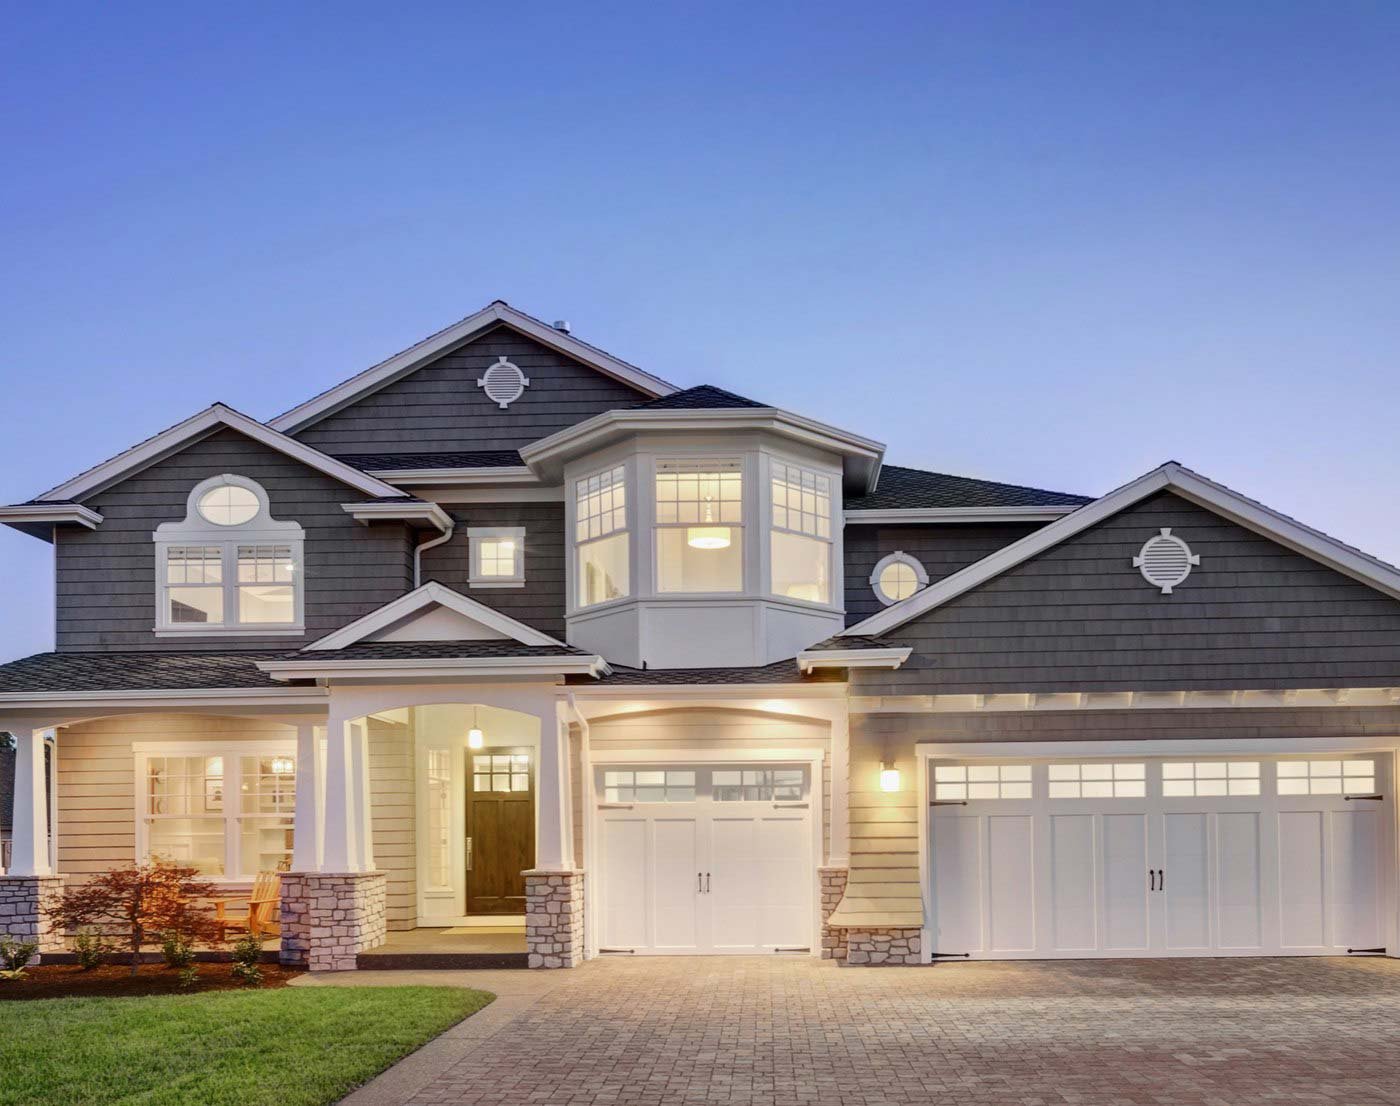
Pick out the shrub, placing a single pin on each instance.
(189, 976)
(14, 955)
(91, 948)
(247, 953)
(177, 949)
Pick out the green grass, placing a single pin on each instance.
(294, 1046)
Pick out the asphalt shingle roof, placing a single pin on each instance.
(780, 672)
(135, 672)
(904, 488)
(703, 397)
(855, 641)
(478, 459)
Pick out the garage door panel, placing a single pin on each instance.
(1239, 870)
(625, 893)
(1011, 882)
(1186, 868)
(674, 884)
(956, 858)
(1125, 922)
(1302, 890)
(1074, 904)
(1354, 901)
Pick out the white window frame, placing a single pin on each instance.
(231, 751)
(835, 598)
(628, 525)
(898, 557)
(476, 535)
(195, 530)
(717, 463)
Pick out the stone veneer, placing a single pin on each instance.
(883, 946)
(833, 882)
(329, 918)
(26, 910)
(554, 918)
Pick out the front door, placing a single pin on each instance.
(500, 843)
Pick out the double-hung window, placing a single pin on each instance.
(801, 534)
(600, 534)
(497, 556)
(699, 533)
(229, 566)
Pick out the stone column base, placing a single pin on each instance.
(328, 918)
(27, 906)
(554, 918)
(883, 946)
(833, 890)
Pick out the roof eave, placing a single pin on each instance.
(429, 667)
(892, 658)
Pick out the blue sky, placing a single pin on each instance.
(1052, 244)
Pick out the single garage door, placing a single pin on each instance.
(1170, 857)
(705, 859)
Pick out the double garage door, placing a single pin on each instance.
(1172, 857)
(705, 859)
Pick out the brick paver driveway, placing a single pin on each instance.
(1093, 1033)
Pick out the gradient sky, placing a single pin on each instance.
(1055, 244)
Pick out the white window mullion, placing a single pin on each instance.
(233, 779)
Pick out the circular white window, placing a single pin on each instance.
(897, 577)
(1165, 560)
(228, 505)
(504, 383)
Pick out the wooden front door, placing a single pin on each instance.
(500, 829)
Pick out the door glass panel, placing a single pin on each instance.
(630, 785)
(1098, 781)
(1327, 777)
(737, 785)
(501, 772)
(982, 781)
(439, 818)
(1210, 778)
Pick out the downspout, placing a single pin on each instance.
(446, 535)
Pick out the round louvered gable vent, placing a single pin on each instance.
(504, 383)
(1165, 560)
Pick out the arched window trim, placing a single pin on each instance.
(897, 557)
(196, 530)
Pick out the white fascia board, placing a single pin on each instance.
(204, 697)
(458, 478)
(401, 364)
(199, 425)
(1027, 702)
(365, 513)
(546, 457)
(51, 513)
(893, 657)
(895, 516)
(430, 594)
(742, 695)
(433, 667)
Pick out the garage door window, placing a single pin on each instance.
(649, 786)
(1326, 777)
(1098, 781)
(750, 785)
(1197, 778)
(982, 781)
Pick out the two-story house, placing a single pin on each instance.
(507, 634)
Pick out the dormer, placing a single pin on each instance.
(704, 529)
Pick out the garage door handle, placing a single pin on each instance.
(1161, 880)
(948, 802)
(699, 883)
(1365, 798)
(707, 883)
(1151, 880)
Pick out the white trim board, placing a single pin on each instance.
(893, 657)
(1039, 702)
(402, 364)
(1155, 747)
(44, 513)
(428, 668)
(420, 599)
(200, 425)
(431, 513)
(895, 516)
(1190, 486)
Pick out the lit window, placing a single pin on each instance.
(439, 819)
(1326, 777)
(801, 537)
(222, 812)
(648, 786)
(497, 556)
(229, 565)
(1098, 781)
(600, 532)
(897, 577)
(748, 785)
(501, 772)
(699, 542)
(982, 781)
(1204, 778)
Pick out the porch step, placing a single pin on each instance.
(439, 961)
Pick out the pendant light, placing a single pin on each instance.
(475, 738)
(708, 537)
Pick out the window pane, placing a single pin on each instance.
(265, 845)
(600, 504)
(228, 505)
(439, 818)
(496, 557)
(196, 842)
(196, 605)
(184, 785)
(259, 605)
(897, 581)
(681, 566)
(602, 570)
(801, 567)
(801, 499)
(267, 785)
(194, 564)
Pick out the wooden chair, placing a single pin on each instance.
(263, 902)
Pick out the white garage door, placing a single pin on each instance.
(705, 859)
(1171, 857)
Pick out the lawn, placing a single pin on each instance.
(293, 1046)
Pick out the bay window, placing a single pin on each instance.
(699, 539)
(600, 534)
(801, 533)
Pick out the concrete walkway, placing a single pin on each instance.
(778, 1031)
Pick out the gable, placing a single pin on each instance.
(439, 408)
(1079, 617)
(432, 612)
(438, 623)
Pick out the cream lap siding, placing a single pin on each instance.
(392, 815)
(96, 817)
(440, 409)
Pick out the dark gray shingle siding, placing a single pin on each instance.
(106, 577)
(440, 409)
(1079, 617)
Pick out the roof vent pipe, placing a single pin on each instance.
(562, 325)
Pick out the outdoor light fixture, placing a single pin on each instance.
(283, 766)
(889, 778)
(708, 537)
(475, 738)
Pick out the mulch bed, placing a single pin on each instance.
(116, 981)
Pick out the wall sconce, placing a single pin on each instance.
(475, 738)
(889, 777)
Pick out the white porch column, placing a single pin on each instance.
(840, 855)
(306, 832)
(30, 836)
(341, 851)
(554, 840)
(364, 828)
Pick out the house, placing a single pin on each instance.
(507, 631)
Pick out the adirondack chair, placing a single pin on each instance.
(263, 901)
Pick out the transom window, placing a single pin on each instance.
(801, 533)
(228, 505)
(600, 533)
(699, 540)
(626, 785)
(1098, 781)
(747, 785)
(1181, 779)
(497, 556)
(501, 772)
(223, 812)
(1326, 777)
(982, 781)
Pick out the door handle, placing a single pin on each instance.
(469, 854)
(707, 883)
(1151, 880)
(1161, 880)
(699, 883)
